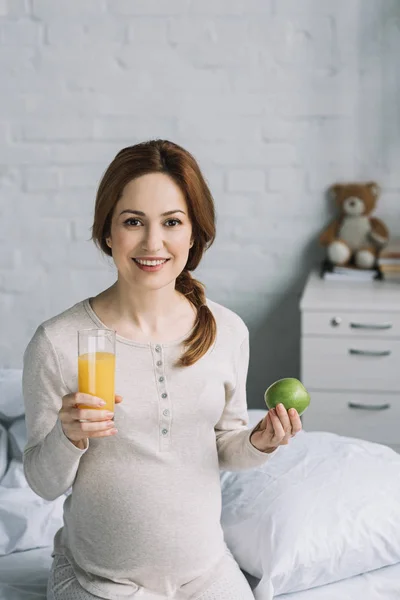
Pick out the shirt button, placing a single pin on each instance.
(164, 395)
(158, 348)
(161, 379)
(164, 431)
(159, 363)
(166, 412)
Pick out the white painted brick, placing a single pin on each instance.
(132, 130)
(218, 128)
(56, 129)
(215, 179)
(24, 154)
(75, 176)
(49, 230)
(69, 203)
(284, 178)
(150, 55)
(41, 178)
(226, 54)
(222, 104)
(323, 102)
(195, 29)
(391, 178)
(327, 7)
(8, 258)
(21, 281)
(83, 34)
(14, 8)
(20, 33)
(10, 177)
(148, 7)
(81, 230)
(231, 7)
(234, 205)
(306, 41)
(83, 152)
(322, 178)
(245, 180)
(148, 29)
(236, 155)
(48, 9)
(304, 94)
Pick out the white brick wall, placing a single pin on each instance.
(276, 99)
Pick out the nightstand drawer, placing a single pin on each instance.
(329, 411)
(354, 324)
(350, 364)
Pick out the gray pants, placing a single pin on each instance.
(228, 583)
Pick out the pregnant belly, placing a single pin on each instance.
(124, 522)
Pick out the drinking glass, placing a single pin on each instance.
(96, 365)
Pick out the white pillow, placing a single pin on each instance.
(11, 398)
(324, 508)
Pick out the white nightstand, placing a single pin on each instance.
(350, 358)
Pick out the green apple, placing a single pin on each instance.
(288, 391)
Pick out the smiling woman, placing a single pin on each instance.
(144, 512)
(155, 216)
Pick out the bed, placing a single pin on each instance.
(320, 521)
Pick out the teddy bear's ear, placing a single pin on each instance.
(374, 188)
(334, 191)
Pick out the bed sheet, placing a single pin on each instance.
(23, 575)
(381, 584)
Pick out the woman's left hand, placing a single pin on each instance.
(277, 427)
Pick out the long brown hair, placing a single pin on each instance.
(162, 156)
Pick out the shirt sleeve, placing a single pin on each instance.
(50, 459)
(235, 451)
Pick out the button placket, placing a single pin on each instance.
(165, 412)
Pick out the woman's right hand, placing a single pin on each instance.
(79, 424)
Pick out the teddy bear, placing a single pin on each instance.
(355, 236)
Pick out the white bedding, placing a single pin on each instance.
(28, 524)
(382, 584)
(23, 576)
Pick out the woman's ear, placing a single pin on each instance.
(108, 242)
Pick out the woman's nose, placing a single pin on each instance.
(152, 240)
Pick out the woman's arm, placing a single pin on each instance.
(235, 451)
(50, 459)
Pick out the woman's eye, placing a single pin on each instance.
(136, 222)
(132, 222)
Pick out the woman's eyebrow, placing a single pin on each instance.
(142, 214)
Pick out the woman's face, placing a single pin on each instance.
(150, 232)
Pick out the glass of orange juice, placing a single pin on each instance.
(96, 365)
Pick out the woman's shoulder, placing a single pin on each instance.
(64, 325)
(228, 320)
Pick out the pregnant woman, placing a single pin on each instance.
(142, 519)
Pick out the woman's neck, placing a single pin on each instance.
(152, 314)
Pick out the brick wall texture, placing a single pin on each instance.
(277, 99)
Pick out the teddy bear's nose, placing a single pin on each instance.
(352, 202)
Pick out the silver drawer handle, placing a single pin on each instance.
(371, 325)
(370, 352)
(369, 407)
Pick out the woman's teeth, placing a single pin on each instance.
(150, 263)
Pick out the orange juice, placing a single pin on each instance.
(96, 376)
